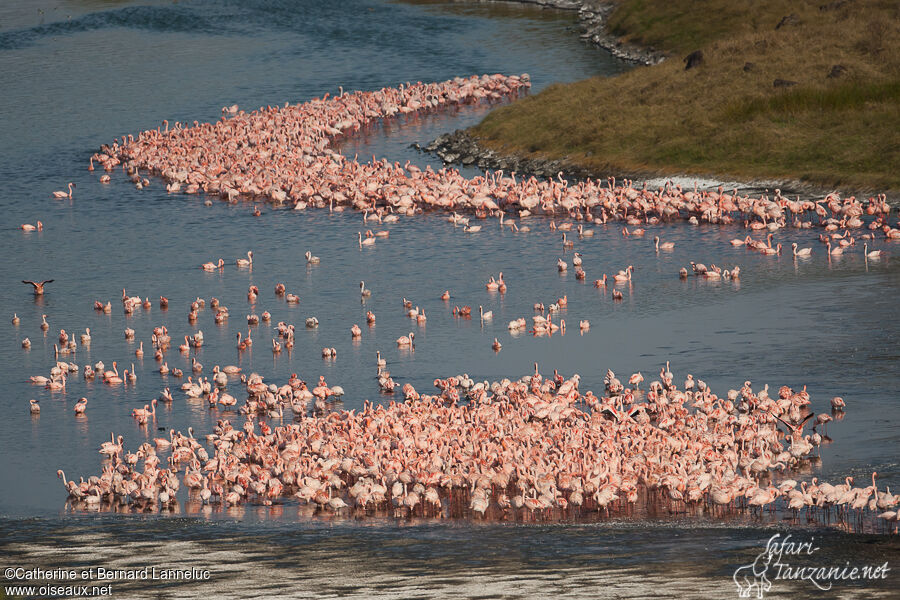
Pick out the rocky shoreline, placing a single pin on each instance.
(459, 148)
(592, 15)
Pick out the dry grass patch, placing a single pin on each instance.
(726, 116)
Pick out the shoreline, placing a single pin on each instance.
(592, 17)
(462, 148)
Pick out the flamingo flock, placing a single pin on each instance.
(527, 448)
(524, 448)
(281, 155)
(533, 447)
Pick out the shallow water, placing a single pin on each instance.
(83, 73)
(429, 560)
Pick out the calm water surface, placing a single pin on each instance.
(79, 74)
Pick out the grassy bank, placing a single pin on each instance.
(838, 124)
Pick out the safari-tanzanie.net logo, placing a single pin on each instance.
(787, 560)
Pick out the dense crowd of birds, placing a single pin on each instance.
(525, 448)
(282, 155)
(530, 446)
(533, 445)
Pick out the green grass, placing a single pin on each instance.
(719, 118)
(846, 97)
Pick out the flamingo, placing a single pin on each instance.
(61, 194)
(665, 246)
(834, 251)
(246, 262)
(802, 251)
(623, 276)
(874, 254)
(485, 316)
(38, 286)
(211, 266)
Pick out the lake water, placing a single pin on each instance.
(79, 74)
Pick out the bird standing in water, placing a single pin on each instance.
(38, 287)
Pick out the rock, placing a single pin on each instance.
(791, 19)
(832, 5)
(694, 59)
(460, 147)
(837, 71)
(784, 83)
(749, 66)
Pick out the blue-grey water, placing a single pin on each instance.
(79, 74)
